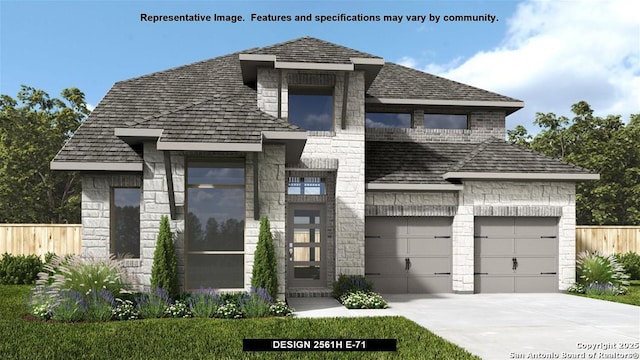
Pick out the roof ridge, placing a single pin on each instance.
(472, 154)
(184, 66)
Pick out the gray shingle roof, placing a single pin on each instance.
(425, 163)
(499, 156)
(308, 49)
(400, 82)
(216, 120)
(184, 98)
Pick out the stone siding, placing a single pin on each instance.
(342, 146)
(514, 198)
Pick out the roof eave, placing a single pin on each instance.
(294, 142)
(520, 176)
(95, 166)
(508, 106)
(412, 187)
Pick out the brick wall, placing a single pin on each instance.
(482, 125)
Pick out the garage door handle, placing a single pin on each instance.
(372, 273)
(548, 237)
(372, 236)
(548, 273)
(515, 264)
(448, 273)
(442, 237)
(480, 237)
(407, 264)
(480, 273)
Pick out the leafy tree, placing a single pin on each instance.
(265, 267)
(164, 271)
(33, 128)
(605, 145)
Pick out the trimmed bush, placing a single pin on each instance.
(265, 267)
(351, 283)
(164, 271)
(631, 263)
(19, 270)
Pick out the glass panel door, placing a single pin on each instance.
(306, 245)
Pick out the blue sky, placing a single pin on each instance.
(548, 54)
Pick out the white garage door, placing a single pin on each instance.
(516, 254)
(408, 254)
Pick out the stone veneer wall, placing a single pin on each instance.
(271, 190)
(345, 145)
(513, 198)
(96, 190)
(482, 126)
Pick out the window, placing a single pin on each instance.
(215, 225)
(388, 120)
(311, 108)
(306, 186)
(125, 222)
(445, 121)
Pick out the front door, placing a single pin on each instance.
(306, 245)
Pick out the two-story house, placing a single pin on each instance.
(362, 167)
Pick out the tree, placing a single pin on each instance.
(265, 267)
(164, 271)
(605, 145)
(33, 128)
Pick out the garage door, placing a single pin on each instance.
(408, 254)
(516, 254)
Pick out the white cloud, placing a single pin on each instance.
(556, 53)
(90, 107)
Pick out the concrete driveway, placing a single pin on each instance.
(512, 326)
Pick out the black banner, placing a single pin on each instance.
(319, 345)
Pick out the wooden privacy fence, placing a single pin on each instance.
(39, 239)
(608, 239)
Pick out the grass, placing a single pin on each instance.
(202, 338)
(632, 297)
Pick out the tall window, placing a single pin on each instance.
(445, 121)
(388, 120)
(311, 108)
(215, 225)
(125, 222)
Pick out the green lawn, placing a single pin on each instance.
(632, 297)
(201, 338)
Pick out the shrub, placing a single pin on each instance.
(257, 303)
(100, 305)
(601, 269)
(351, 283)
(204, 303)
(124, 310)
(265, 267)
(363, 300)
(631, 263)
(153, 304)
(229, 310)
(18, 270)
(164, 271)
(84, 274)
(280, 308)
(70, 307)
(596, 288)
(179, 309)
